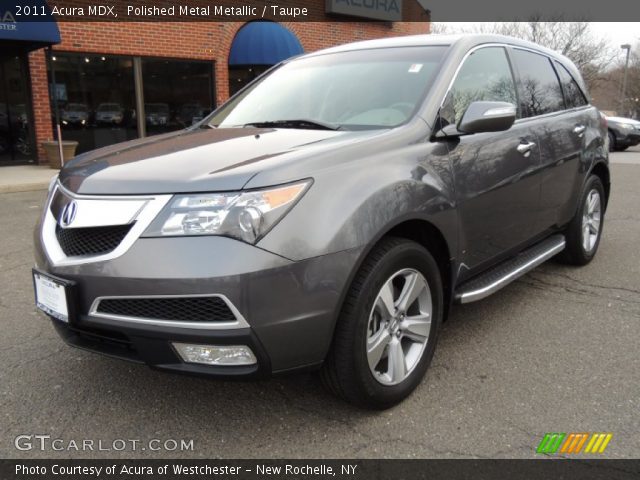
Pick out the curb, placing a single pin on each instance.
(24, 187)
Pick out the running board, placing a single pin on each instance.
(506, 272)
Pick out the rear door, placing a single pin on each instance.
(559, 131)
(497, 190)
(584, 127)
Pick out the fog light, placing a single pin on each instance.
(216, 354)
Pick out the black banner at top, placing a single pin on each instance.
(321, 10)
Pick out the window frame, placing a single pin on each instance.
(505, 47)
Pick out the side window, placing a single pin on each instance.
(484, 76)
(540, 90)
(573, 96)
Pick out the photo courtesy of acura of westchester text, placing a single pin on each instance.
(331, 238)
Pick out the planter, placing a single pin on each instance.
(53, 153)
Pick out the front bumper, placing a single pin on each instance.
(153, 346)
(628, 138)
(290, 307)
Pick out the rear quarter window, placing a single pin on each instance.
(573, 95)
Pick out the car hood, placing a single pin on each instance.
(623, 120)
(197, 160)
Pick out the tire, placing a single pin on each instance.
(350, 370)
(622, 149)
(612, 141)
(578, 250)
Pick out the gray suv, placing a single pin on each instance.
(329, 215)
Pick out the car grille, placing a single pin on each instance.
(90, 240)
(181, 309)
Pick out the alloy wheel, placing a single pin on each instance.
(591, 219)
(399, 326)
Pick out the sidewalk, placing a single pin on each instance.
(25, 178)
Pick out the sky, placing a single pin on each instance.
(617, 33)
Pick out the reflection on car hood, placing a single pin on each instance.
(196, 160)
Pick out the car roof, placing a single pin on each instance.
(462, 40)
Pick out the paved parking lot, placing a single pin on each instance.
(557, 351)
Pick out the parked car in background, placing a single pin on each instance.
(330, 214)
(623, 133)
(157, 114)
(75, 114)
(190, 113)
(109, 114)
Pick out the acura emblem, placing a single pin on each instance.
(68, 213)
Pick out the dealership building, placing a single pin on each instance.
(107, 82)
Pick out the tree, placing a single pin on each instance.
(606, 95)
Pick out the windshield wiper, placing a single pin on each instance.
(301, 123)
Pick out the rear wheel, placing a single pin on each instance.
(386, 334)
(584, 232)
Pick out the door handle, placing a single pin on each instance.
(579, 130)
(525, 148)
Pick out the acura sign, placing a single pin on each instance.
(388, 10)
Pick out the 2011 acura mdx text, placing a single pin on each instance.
(329, 214)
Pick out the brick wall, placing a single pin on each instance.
(189, 40)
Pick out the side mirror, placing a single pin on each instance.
(487, 117)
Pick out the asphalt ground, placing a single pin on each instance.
(556, 351)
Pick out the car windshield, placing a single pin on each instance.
(360, 89)
(76, 107)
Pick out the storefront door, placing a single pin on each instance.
(16, 122)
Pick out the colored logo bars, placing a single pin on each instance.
(574, 443)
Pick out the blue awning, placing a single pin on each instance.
(28, 35)
(263, 43)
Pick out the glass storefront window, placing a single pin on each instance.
(16, 134)
(241, 76)
(96, 98)
(177, 93)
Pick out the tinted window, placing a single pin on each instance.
(97, 101)
(177, 93)
(484, 76)
(540, 90)
(96, 98)
(573, 96)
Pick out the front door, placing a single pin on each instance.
(496, 174)
(16, 132)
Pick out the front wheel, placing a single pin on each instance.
(386, 334)
(585, 230)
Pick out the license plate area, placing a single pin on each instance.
(54, 296)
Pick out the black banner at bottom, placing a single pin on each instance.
(550, 468)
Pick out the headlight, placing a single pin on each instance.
(247, 215)
(627, 126)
